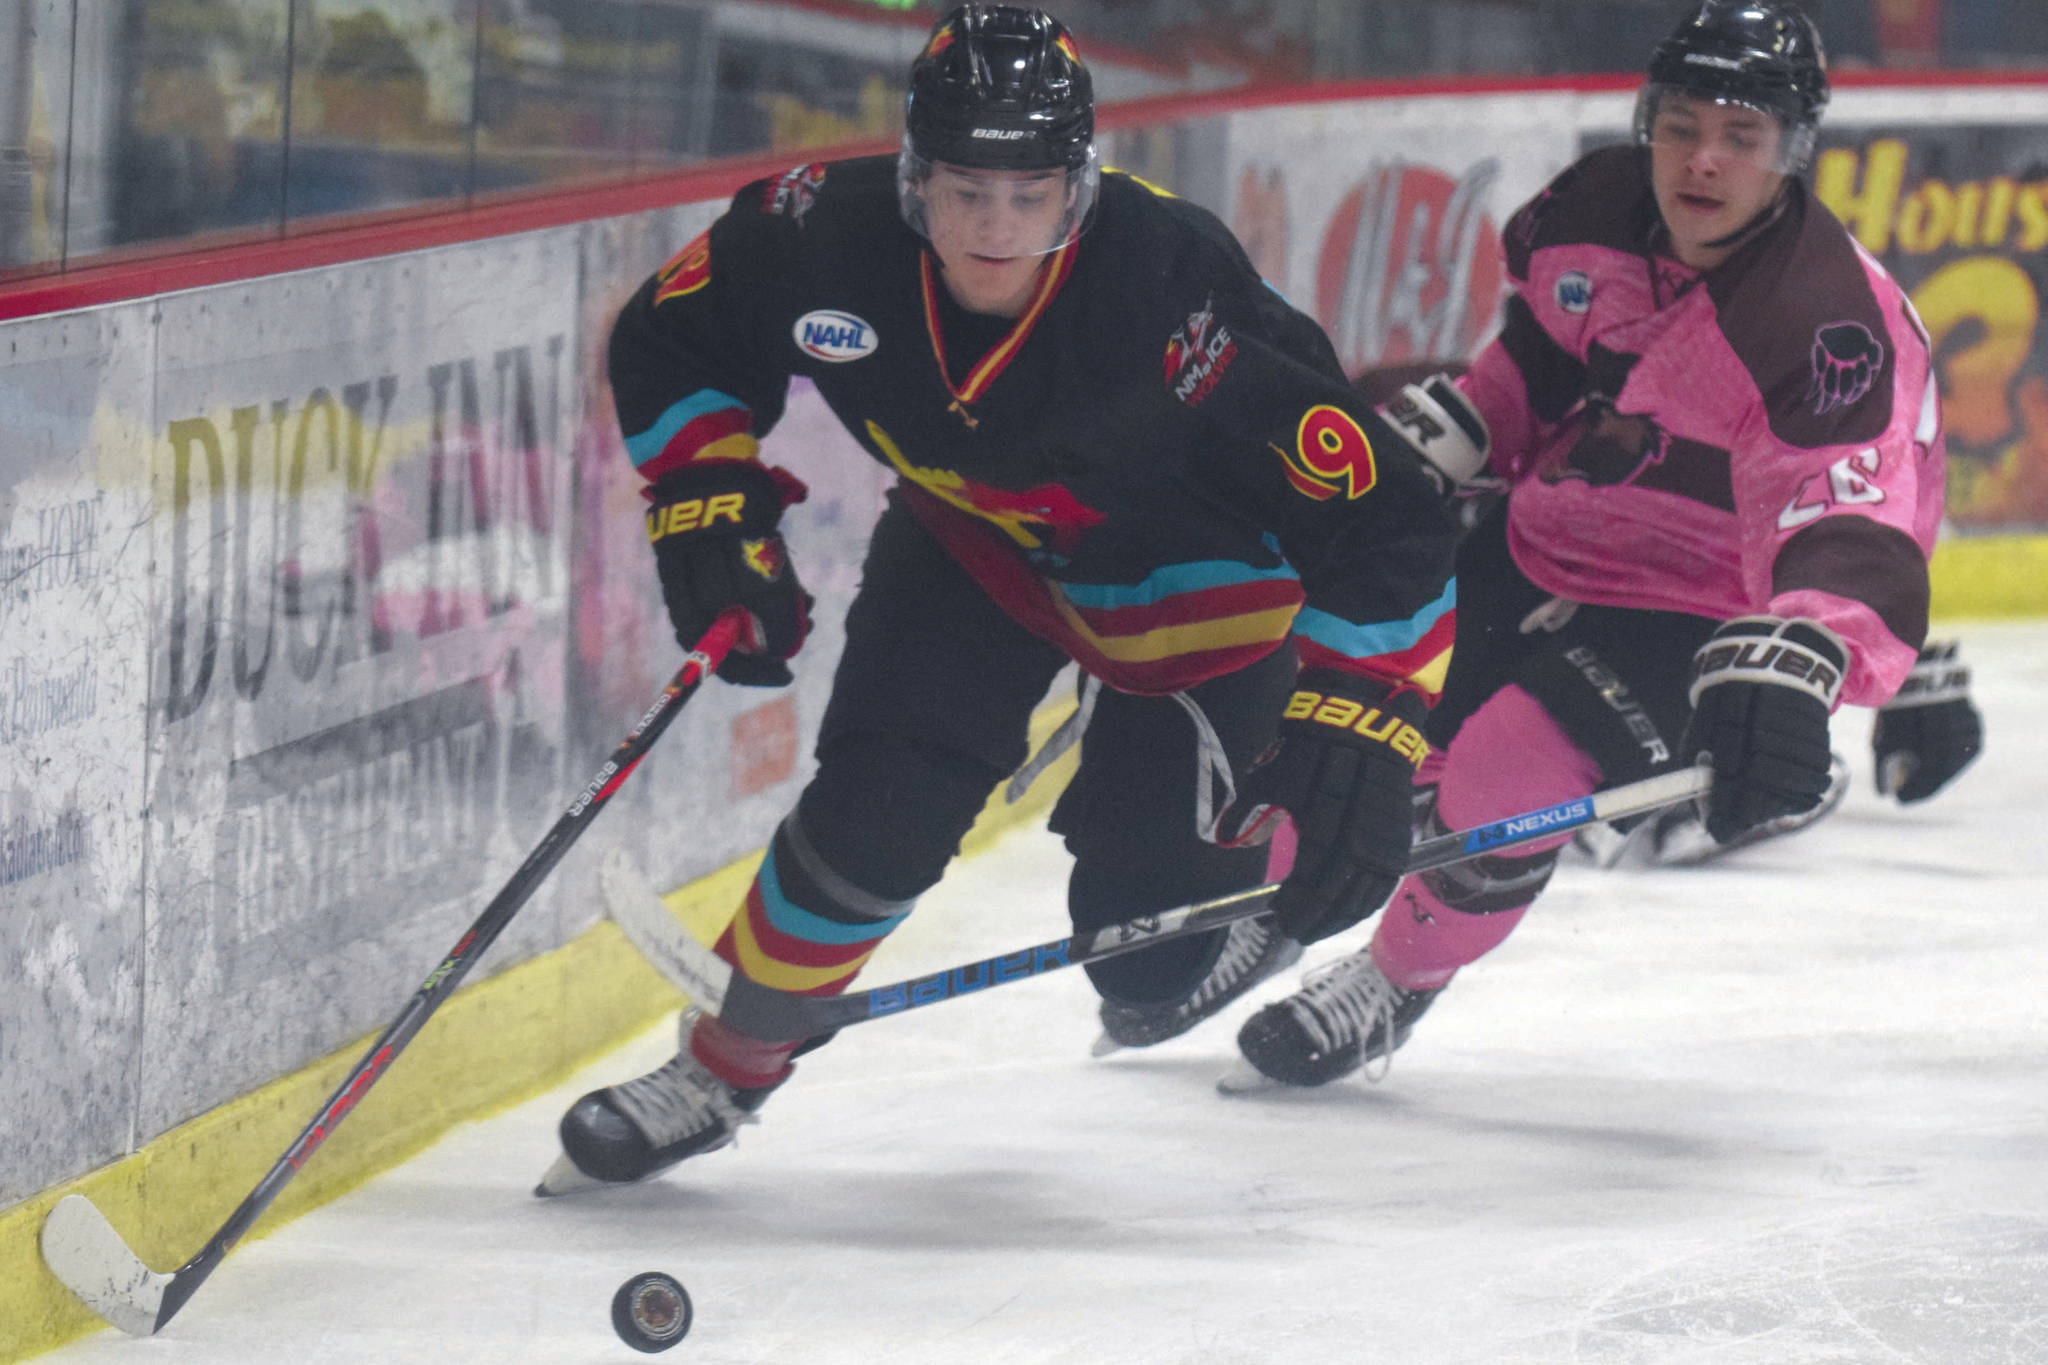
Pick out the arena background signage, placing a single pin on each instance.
(1959, 215)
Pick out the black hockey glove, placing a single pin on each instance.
(716, 546)
(1344, 768)
(1762, 690)
(1928, 732)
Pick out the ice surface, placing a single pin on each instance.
(1789, 1108)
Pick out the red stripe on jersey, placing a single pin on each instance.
(1192, 608)
(695, 436)
(1026, 599)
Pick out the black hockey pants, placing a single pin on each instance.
(930, 710)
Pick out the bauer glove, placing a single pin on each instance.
(715, 545)
(1762, 690)
(1344, 768)
(1928, 732)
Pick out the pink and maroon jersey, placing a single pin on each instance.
(1763, 437)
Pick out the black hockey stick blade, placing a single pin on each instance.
(96, 1263)
(780, 1016)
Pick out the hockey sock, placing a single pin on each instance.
(804, 928)
(1440, 920)
(743, 1062)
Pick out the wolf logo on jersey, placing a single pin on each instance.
(1846, 358)
(1616, 447)
(1049, 507)
(795, 192)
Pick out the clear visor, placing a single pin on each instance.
(1687, 123)
(994, 214)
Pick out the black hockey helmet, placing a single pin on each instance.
(1000, 88)
(1762, 54)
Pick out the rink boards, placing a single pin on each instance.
(321, 593)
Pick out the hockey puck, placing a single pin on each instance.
(651, 1312)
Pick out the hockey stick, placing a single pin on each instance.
(781, 1016)
(95, 1263)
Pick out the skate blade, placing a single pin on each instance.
(1245, 1079)
(1104, 1045)
(564, 1178)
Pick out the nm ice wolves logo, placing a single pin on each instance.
(795, 191)
(1846, 359)
(1197, 355)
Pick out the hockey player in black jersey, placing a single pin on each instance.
(1115, 446)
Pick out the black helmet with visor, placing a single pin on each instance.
(1761, 54)
(1000, 88)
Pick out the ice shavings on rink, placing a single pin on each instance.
(1791, 1108)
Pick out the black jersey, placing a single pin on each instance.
(1158, 467)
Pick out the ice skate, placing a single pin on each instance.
(1345, 1015)
(1603, 845)
(1254, 951)
(631, 1131)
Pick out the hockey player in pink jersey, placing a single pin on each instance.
(1717, 423)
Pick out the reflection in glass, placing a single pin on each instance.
(35, 72)
(557, 89)
(785, 86)
(382, 99)
(199, 127)
(152, 122)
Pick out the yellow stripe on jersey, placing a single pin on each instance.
(1193, 637)
(1430, 677)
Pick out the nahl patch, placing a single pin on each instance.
(830, 335)
(1574, 291)
(1197, 355)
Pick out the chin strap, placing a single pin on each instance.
(1767, 215)
(1660, 232)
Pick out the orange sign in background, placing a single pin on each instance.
(1959, 215)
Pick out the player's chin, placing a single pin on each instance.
(1702, 209)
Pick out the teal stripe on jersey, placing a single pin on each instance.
(1355, 641)
(655, 439)
(1171, 581)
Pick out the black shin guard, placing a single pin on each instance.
(1488, 885)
